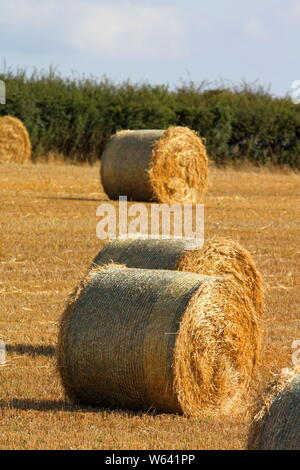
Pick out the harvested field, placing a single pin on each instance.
(47, 242)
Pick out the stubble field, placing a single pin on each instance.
(47, 241)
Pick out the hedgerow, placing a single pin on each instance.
(76, 116)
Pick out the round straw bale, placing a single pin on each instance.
(174, 341)
(15, 143)
(277, 424)
(217, 257)
(154, 165)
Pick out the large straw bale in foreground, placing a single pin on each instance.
(217, 257)
(15, 143)
(277, 424)
(174, 341)
(154, 165)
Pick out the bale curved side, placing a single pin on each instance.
(15, 145)
(154, 165)
(62, 363)
(174, 341)
(217, 257)
(276, 426)
(124, 164)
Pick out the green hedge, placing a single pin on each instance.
(77, 116)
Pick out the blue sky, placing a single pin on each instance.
(159, 41)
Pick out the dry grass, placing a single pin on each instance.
(47, 243)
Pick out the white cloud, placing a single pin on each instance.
(256, 29)
(101, 29)
(290, 12)
(131, 30)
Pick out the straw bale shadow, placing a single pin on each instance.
(75, 199)
(23, 404)
(37, 350)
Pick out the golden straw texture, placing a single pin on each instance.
(277, 424)
(168, 340)
(154, 165)
(15, 143)
(217, 257)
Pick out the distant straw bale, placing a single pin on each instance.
(168, 340)
(15, 143)
(276, 426)
(154, 165)
(217, 257)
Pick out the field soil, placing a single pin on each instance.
(47, 242)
